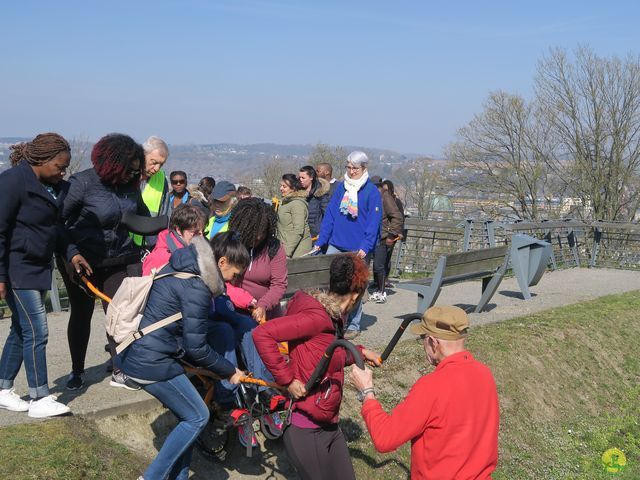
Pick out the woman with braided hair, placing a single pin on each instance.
(30, 230)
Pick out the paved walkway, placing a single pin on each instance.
(379, 322)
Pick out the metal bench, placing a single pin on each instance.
(489, 264)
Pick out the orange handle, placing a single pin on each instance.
(262, 383)
(94, 290)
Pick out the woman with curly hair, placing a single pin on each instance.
(266, 276)
(313, 440)
(30, 230)
(93, 209)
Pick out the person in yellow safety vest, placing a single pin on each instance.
(153, 184)
(223, 199)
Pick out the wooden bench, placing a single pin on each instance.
(489, 264)
(308, 272)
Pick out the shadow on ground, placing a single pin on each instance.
(512, 294)
(268, 460)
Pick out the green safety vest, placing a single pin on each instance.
(207, 231)
(152, 198)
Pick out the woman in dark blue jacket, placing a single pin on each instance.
(30, 230)
(154, 360)
(93, 211)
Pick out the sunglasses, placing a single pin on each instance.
(177, 182)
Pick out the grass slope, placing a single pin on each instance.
(568, 385)
(67, 448)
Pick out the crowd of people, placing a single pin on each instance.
(222, 261)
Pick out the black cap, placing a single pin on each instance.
(222, 189)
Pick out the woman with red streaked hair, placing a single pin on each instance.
(314, 442)
(93, 209)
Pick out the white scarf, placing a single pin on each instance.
(349, 204)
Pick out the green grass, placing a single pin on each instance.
(568, 385)
(66, 449)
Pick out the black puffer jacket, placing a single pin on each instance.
(93, 211)
(318, 199)
(155, 357)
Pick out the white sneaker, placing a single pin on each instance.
(47, 407)
(382, 297)
(374, 297)
(11, 401)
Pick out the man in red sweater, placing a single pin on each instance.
(450, 415)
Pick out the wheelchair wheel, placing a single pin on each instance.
(214, 442)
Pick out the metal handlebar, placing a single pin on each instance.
(144, 225)
(396, 337)
(322, 366)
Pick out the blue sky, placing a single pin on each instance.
(399, 75)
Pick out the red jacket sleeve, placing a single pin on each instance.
(407, 421)
(284, 329)
(278, 285)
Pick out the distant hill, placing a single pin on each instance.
(226, 160)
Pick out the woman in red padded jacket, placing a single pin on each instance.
(314, 442)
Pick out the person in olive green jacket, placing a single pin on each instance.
(293, 216)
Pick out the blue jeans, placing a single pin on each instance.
(27, 342)
(221, 338)
(174, 458)
(242, 326)
(353, 321)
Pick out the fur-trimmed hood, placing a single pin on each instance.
(323, 188)
(301, 194)
(328, 302)
(198, 258)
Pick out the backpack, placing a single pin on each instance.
(126, 308)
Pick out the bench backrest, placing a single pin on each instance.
(308, 272)
(474, 263)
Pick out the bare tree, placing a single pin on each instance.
(592, 105)
(336, 157)
(503, 153)
(80, 154)
(265, 181)
(419, 181)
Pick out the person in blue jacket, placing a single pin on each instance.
(153, 361)
(30, 231)
(352, 220)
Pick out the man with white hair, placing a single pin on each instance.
(351, 221)
(153, 184)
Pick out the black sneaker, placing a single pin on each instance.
(75, 381)
(120, 380)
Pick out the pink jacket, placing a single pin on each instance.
(160, 255)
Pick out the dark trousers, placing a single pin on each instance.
(382, 263)
(81, 306)
(319, 453)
